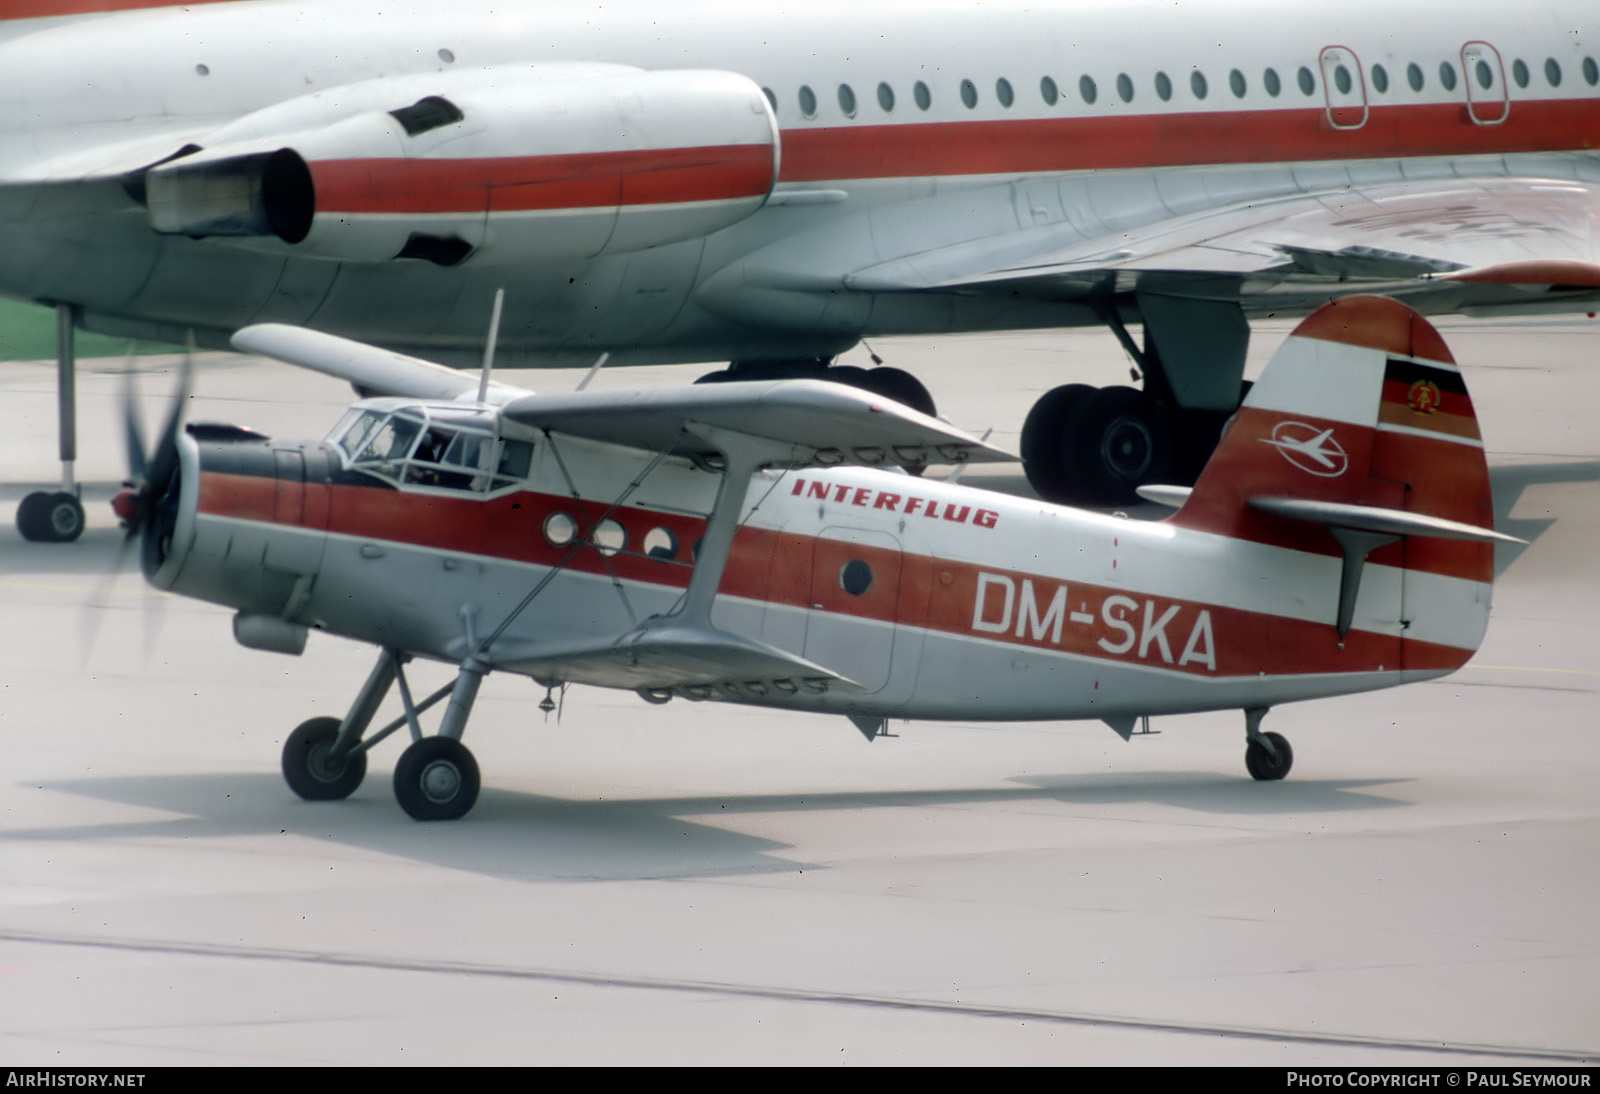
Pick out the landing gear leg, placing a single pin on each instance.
(1267, 756)
(436, 778)
(45, 517)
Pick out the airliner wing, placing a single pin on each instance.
(371, 371)
(1491, 242)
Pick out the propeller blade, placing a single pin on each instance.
(132, 432)
(165, 460)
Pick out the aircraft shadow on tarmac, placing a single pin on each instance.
(514, 834)
(1509, 481)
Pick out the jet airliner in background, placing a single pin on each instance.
(769, 185)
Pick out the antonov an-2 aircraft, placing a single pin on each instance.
(769, 183)
(753, 542)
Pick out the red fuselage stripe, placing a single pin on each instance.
(800, 571)
(657, 176)
(1296, 134)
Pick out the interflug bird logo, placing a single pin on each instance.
(1310, 449)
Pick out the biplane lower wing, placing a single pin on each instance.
(669, 656)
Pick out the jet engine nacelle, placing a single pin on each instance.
(526, 164)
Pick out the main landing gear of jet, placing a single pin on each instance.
(45, 517)
(1267, 756)
(436, 778)
(1096, 446)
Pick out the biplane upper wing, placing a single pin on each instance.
(824, 423)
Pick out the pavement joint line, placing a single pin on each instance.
(800, 995)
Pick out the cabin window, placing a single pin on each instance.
(924, 97)
(1163, 87)
(1447, 75)
(1414, 76)
(1519, 72)
(808, 102)
(1270, 81)
(847, 100)
(1236, 84)
(855, 577)
(1049, 92)
(1003, 92)
(1380, 79)
(1087, 89)
(1591, 71)
(771, 98)
(559, 529)
(609, 537)
(660, 543)
(1485, 76)
(1308, 82)
(1552, 72)
(969, 93)
(1341, 79)
(1197, 83)
(1124, 87)
(886, 98)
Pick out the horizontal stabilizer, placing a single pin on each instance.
(1368, 518)
(696, 661)
(825, 424)
(1171, 496)
(372, 371)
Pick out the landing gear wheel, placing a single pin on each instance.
(1262, 764)
(65, 515)
(50, 518)
(307, 766)
(33, 518)
(1044, 450)
(1117, 441)
(436, 779)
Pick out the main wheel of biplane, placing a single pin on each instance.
(308, 766)
(1262, 764)
(436, 778)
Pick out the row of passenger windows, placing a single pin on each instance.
(1305, 78)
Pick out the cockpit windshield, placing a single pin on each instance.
(446, 448)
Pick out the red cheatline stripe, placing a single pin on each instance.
(33, 9)
(1166, 140)
(658, 176)
(913, 590)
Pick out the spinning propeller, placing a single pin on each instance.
(147, 501)
(144, 502)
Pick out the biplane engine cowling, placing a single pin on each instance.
(519, 165)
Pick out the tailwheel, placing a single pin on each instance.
(1260, 761)
(436, 778)
(309, 767)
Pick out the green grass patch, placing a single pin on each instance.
(28, 333)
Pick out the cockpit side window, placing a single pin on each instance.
(391, 442)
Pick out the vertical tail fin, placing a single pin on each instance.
(1360, 441)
